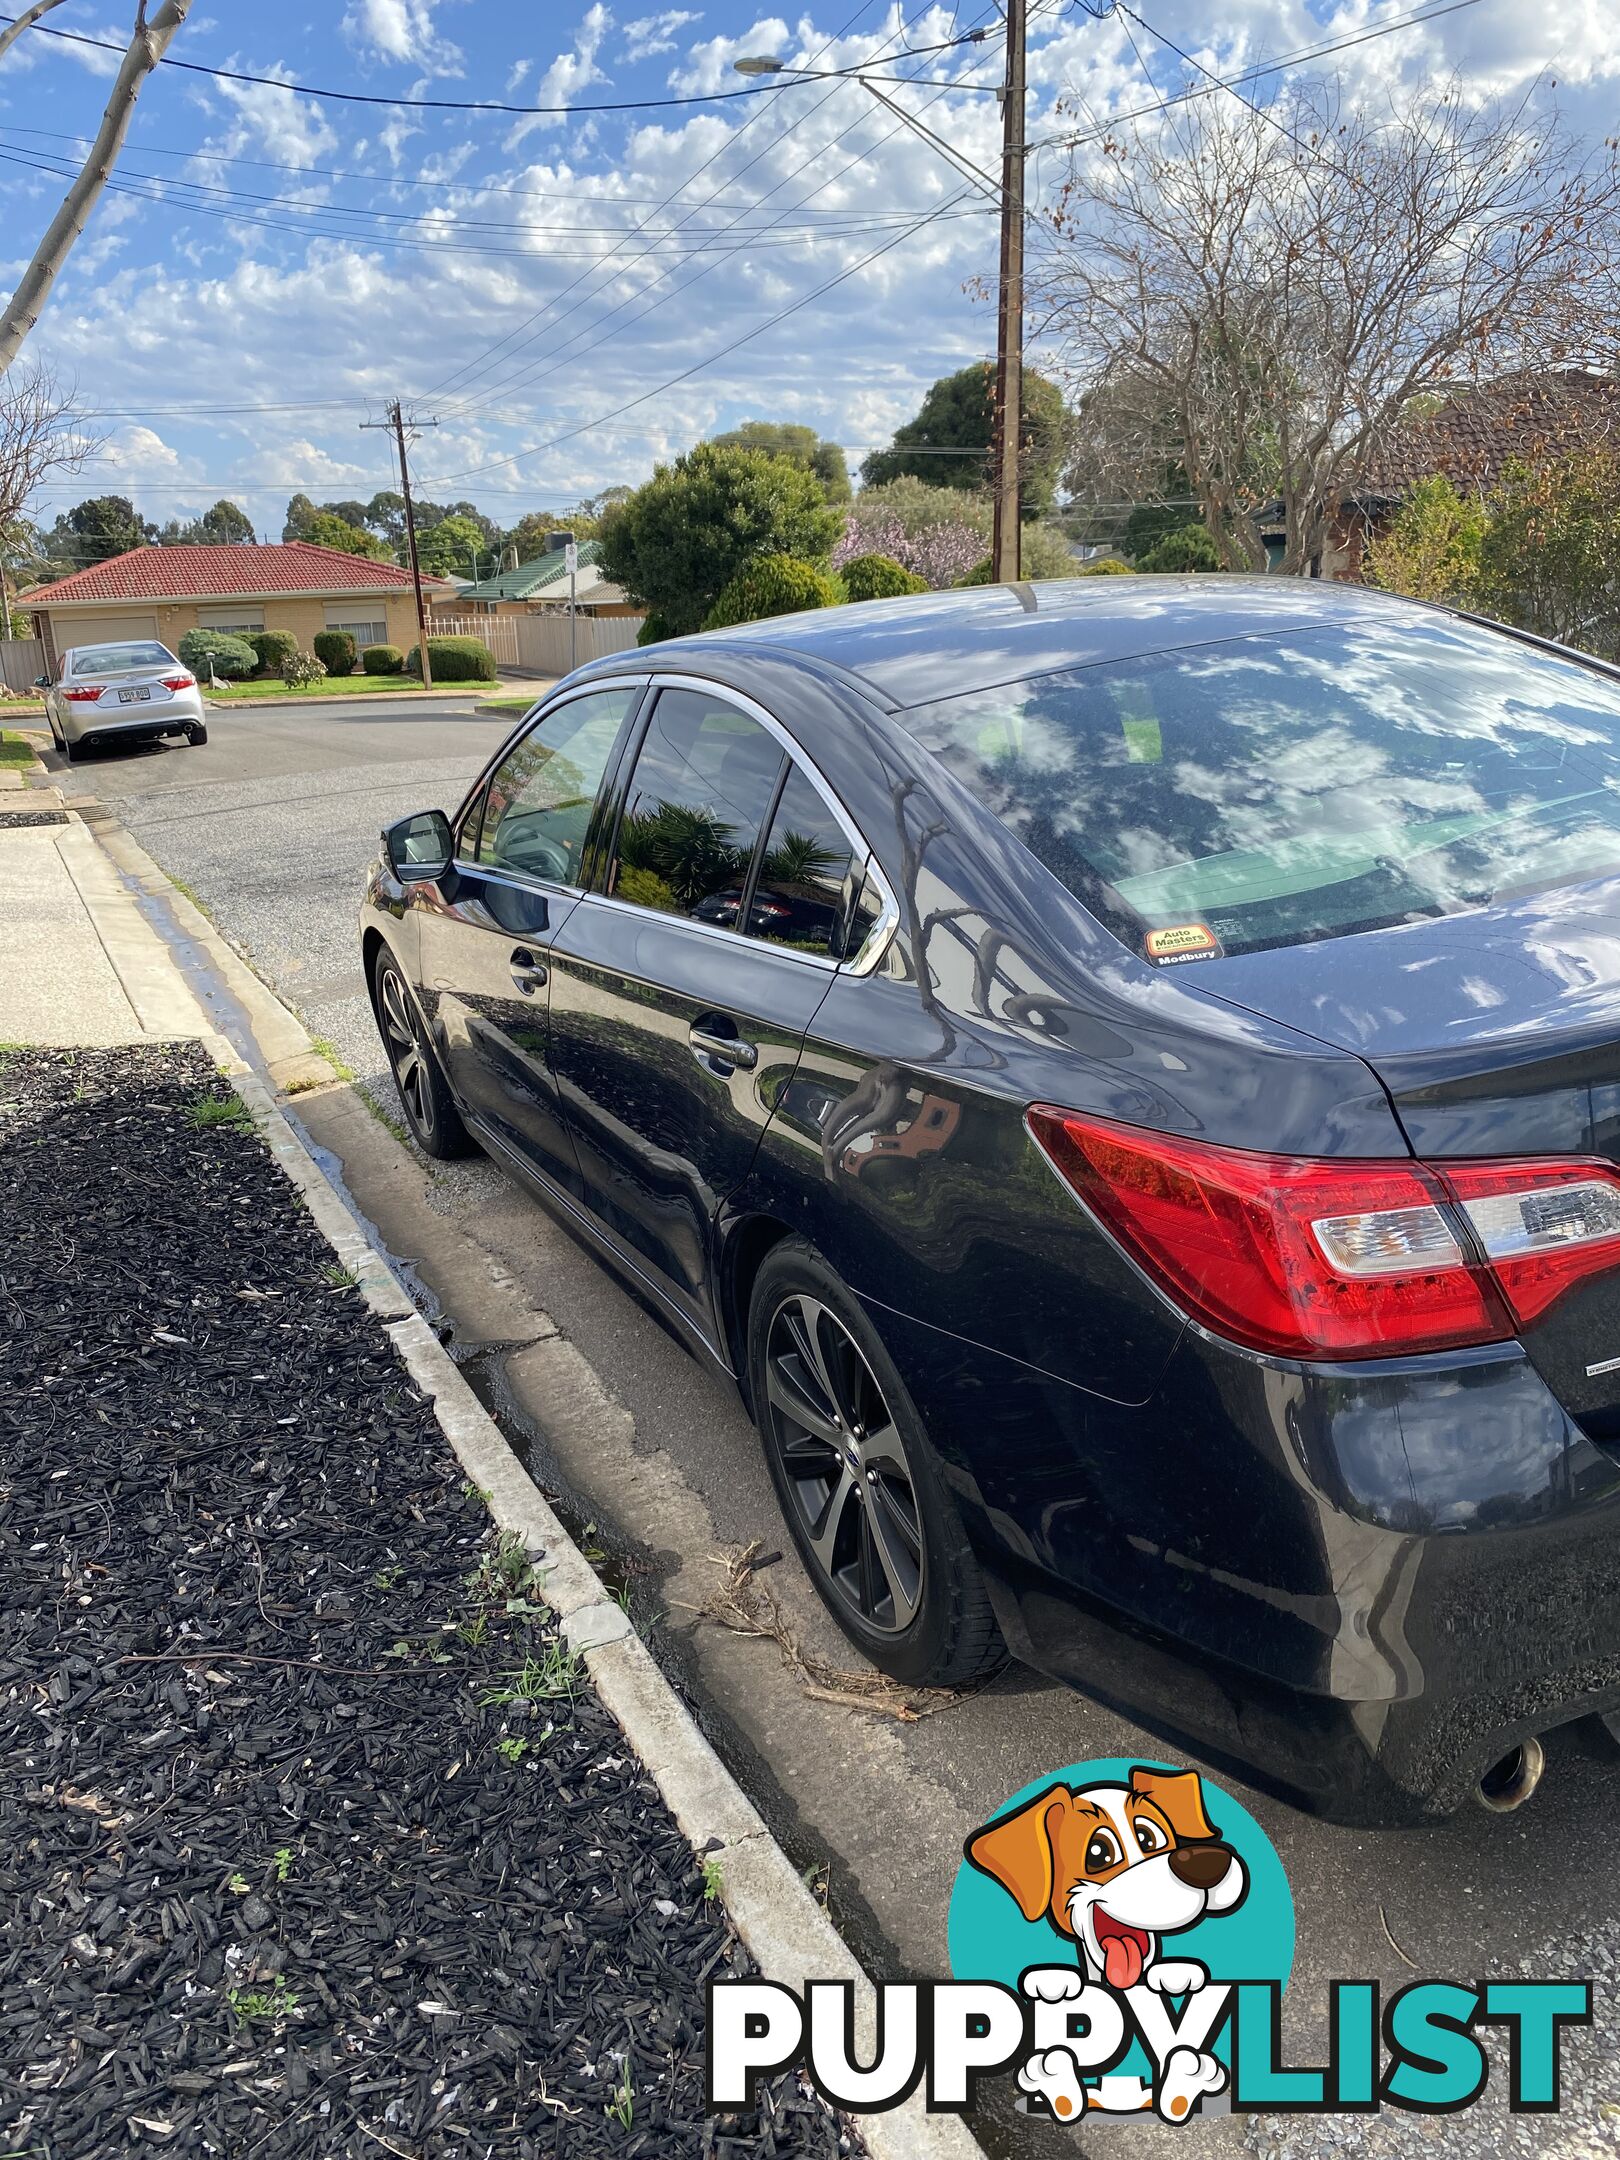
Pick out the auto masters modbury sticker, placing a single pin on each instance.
(1181, 941)
(1120, 1935)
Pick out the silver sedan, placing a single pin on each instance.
(135, 690)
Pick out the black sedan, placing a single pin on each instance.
(1124, 1076)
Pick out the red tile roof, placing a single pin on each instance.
(1534, 417)
(230, 573)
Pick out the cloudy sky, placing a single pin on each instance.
(567, 291)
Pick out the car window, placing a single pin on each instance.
(700, 791)
(802, 893)
(537, 807)
(112, 659)
(1306, 784)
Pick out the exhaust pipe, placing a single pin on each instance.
(1508, 1783)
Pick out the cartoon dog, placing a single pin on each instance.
(1114, 1869)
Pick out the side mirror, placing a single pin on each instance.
(42, 682)
(419, 847)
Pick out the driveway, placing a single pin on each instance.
(271, 826)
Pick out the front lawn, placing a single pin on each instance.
(15, 753)
(272, 686)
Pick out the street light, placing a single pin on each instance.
(759, 65)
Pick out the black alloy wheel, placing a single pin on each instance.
(430, 1111)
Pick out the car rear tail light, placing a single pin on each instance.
(86, 696)
(179, 682)
(1340, 1259)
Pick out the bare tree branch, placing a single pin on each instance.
(147, 45)
(1255, 307)
(40, 435)
(29, 16)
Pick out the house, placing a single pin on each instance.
(1528, 418)
(541, 585)
(162, 592)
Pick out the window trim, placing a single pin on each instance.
(876, 941)
(536, 716)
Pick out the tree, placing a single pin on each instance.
(40, 434)
(351, 512)
(455, 544)
(678, 541)
(937, 533)
(1431, 547)
(528, 536)
(385, 516)
(1189, 547)
(328, 531)
(1287, 281)
(301, 515)
(781, 438)
(958, 414)
(96, 530)
(226, 524)
(1547, 557)
(148, 43)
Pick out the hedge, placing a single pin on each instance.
(878, 577)
(382, 660)
(217, 652)
(335, 650)
(1104, 566)
(454, 659)
(1188, 548)
(273, 647)
(772, 585)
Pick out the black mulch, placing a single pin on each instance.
(277, 1876)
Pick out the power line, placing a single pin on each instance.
(471, 105)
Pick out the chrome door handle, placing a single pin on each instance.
(527, 972)
(723, 1049)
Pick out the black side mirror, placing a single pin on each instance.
(419, 847)
(42, 682)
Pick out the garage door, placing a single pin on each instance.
(101, 629)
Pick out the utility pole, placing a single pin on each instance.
(397, 421)
(1004, 550)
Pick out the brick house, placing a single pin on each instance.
(162, 592)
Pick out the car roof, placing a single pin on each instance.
(934, 645)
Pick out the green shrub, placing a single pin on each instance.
(454, 659)
(1104, 566)
(772, 585)
(335, 651)
(217, 652)
(879, 577)
(382, 660)
(272, 647)
(979, 574)
(653, 631)
(1188, 548)
(300, 669)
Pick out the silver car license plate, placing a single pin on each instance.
(134, 697)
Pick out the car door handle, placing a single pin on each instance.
(723, 1049)
(527, 972)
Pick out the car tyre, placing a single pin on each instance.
(859, 1484)
(196, 735)
(430, 1110)
(73, 751)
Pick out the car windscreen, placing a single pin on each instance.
(117, 659)
(1281, 788)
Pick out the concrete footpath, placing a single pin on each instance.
(80, 964)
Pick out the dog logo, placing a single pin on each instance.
(1122, 1863)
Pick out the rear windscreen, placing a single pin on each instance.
(1274, 789)
(115, 659)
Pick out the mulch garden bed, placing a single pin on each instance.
(313, 1841)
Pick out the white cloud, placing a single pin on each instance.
(656, 33)
(401, 30)
(569, 74)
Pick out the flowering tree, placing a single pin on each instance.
(939, 553)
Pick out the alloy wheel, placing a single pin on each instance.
(405, 1053)
(844, 1465)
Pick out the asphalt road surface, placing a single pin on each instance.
(271, 826)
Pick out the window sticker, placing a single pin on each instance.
(1181, 941)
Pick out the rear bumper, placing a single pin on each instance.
(93, 722)
(1356, 1586)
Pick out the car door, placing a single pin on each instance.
(486, 929)
(674, 1024)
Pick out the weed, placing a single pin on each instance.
(385, 1118)
(207, 1111)
(592, 1551)
(622, 2107)
(389, 1578)
(262, 2005)
(480, 1493)
(475, 1632)
(282, 1863)
(513, 1750)
(714, 1881)
(323, 1046)
(555, 1672)
(505, 1573)
(240, 1885)
(340, 1278)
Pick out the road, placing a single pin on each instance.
(270, 826)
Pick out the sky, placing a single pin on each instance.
(570, 294)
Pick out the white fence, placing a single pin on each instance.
(21, 661)
(498, 632)
(543, 641)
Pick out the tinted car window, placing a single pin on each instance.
(1281, 789)
(537, 807)
(701, 788)
(113, 659)
(803, 888)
